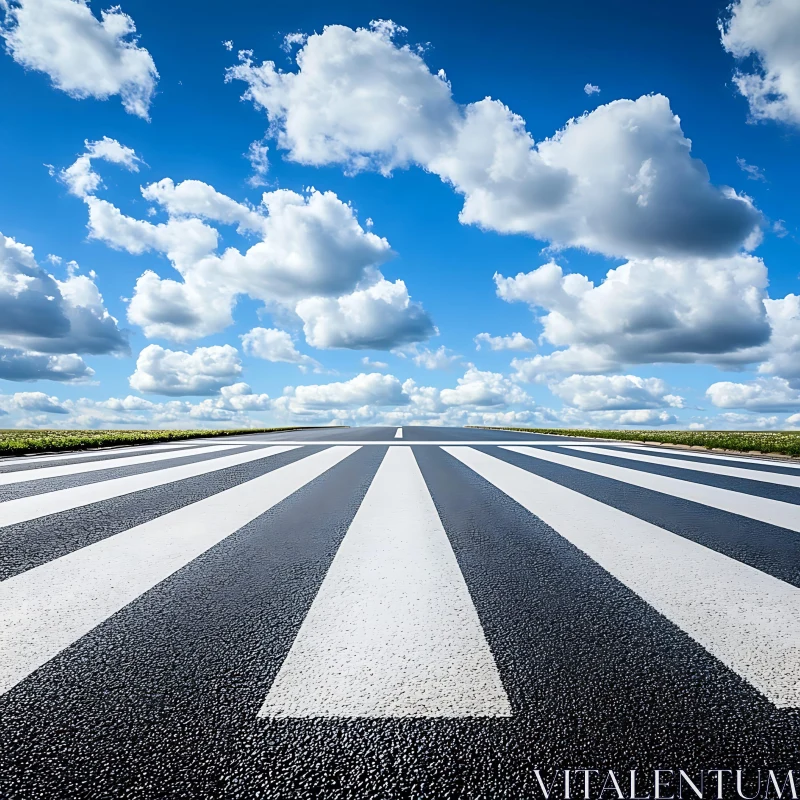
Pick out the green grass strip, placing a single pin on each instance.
(785, 442)
(20, 442)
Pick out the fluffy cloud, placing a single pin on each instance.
(175, 372)
(46, 322)
(478, 388)
(441, 358)
(40, 313)
(84, 56)
(383, 399)
(380, 317)
(21, 365)
(783, 351)
(258, 156)
(197, 199)
(36, 401)
(82, 180)
(366, 389)
(312, 259)
(274, 345)
(646, 311)
(230, 408)
(763, 394)
(179, 310)
(615, 393)
(768, 30)
(619, 181)
(516, 341)
(639, 417)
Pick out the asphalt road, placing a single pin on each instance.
(348, 614)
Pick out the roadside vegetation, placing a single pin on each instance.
(784, 442)
(20, 442)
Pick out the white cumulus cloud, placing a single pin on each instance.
(782, 353)
(366, 389)
(768, 31)
(477, 388)
(441, 358)
(175, 372)
(84, 56)
(615, 393)
(619, 181)
(516, 341)
(762, 394)
(311, 258)
(646, 311)
(46, 322)
(274, 345)
(380, 317)
(82, 180)
(35, 401)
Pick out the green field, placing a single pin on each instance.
(19, 442)
(785, 442)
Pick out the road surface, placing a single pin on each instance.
(384, 613)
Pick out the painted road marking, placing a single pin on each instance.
(48, 608)
(69, 455)
(764, 461)
(773, 512)
(403, 443)
(24, 509)
(398, 433)
(7, 478)
(393, 631)
(714, 469)
(747, 619)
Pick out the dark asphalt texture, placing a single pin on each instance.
(160, 701)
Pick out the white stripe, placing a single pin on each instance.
(742, 459)
(745, 618)
(714, 469)
(24, 509)
(393, 631)
(403, 443)
(773, 512)
(7, 478)
(69, 455)
(398, 433)
(50, 607)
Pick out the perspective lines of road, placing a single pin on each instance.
(369, 612)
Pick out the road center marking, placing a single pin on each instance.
(393, 631)
(398, 433)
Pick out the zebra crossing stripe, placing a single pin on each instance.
(22, 476)
(393, 631)
(742, 460)
(24, 509)
(48, 608)
(33, 459)
(713, 469)
(773, 512)
(748, 620)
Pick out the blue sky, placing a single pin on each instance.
(392, 196)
